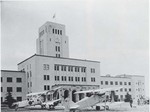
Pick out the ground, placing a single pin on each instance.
(119, 108)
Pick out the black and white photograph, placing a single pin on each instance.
(74, 55)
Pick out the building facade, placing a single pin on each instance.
(52, 67)
(14, 82)
(132, 84)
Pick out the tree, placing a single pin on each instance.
(9, 100)
(127, 97)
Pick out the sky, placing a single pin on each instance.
(114, 32)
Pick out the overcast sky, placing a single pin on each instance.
(114, 32)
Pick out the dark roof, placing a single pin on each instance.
(12, 71)
(57, 58)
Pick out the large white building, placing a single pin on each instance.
(132, 84)
(51, 67)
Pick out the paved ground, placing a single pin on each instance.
(120, 108)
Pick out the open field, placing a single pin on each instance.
(120, 108)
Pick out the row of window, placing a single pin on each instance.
(64, 78)
(125, 89)
(10, 79)
(115, 83)
(69, 68)
(56, 31)
(10, 89)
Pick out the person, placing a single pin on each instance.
(131, 101)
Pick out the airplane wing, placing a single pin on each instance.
(74, 107)
(101, 91)
(51, 102)
(36, 93)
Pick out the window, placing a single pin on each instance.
(92, 79)
(1, 99)
(65, 78)
(30, 74)
(120, 83)
(72, 68)
(1, 79)
(55, 48)
(59, 48)
(30, 84)
(1, 89)
(63, 68)
(76, 79)
(53, 30)
(18, 89)
(18, 79)
(92, 70)
(101, 82)
(106, 82)
(9, 79)
(58, 78)
(129, 89)
(125, 89)
(116, 83)
(44, 87)
(19, 98)
(45, 67)
(27, 75)
(111, 82)
(60, 32)
(75, 69)
(83, 69)
(56, 67)
(9, 89)
(84, 79)
(125, 83)
(71, 78)
(55, 78)
(62, 78)
(129, 83)
(46, 77)
(121, 90)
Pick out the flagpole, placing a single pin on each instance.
(54, 18)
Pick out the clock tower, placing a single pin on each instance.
(52, 40)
